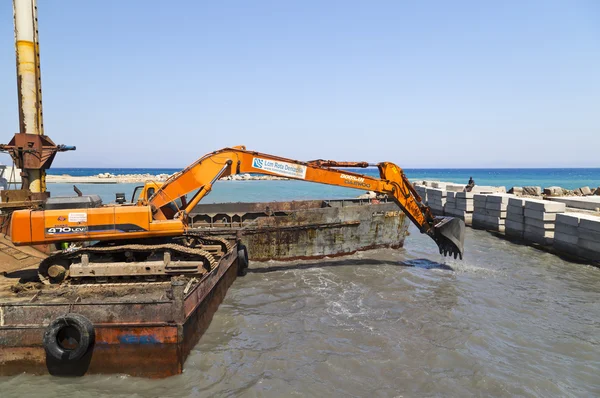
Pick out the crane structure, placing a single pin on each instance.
(30, 149)
(154, 233)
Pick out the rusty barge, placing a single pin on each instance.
(134, 321)
(307, 229)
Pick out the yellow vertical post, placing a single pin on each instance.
(29, 81)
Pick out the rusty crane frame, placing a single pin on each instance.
(30, 149)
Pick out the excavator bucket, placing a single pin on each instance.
(449, 234)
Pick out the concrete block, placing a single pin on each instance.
(584, 233)
(590, 222)
(489, 220)
(585, 202)
(465, 195)
(531, 230)
(480, 198)
(585, 191)
(512, 232)
(516, 191)
(553, 191)
(478, 206)
(543, 239)
(436, 199)
(568, 219)
(470, 207)
(514, 225)
(498, 198)
(450, 195)
(488, 189)
(565, 247)
(495, 206)
(514, 217)
(455, 188)
(539, 215)
(534, 222)
(566, 229)
(516, 202)
(588, 254)
(532, 191)
(516, 210)
(434, 192)
(545, 206)
(565, 238)
(589, 245)
(491, 213)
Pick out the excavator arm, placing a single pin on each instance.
(169, 202)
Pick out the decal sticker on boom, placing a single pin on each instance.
(358, 182)
(280, 168)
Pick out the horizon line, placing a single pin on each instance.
(370, 167)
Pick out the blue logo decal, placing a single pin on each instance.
(257, 163)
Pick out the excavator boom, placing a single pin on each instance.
(199, 177)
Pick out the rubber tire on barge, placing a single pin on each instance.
(69, 327)
(242, 258)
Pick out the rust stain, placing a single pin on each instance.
(137, 335)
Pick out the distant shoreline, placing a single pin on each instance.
(108, 178)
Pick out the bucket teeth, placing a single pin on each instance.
(449, 234)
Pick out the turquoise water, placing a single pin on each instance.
(258, 191)
(566, 178)
(226, 191)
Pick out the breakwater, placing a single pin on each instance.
(564, 225)
(108, 178)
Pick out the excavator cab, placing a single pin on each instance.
(142, 193)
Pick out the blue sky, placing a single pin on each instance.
(421, 83)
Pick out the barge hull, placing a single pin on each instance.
(149, 337)
(306, 229)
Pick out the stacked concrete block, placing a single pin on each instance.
(479, 220)
(484, 189)
(578, 234)
(450, 201)
(436, 200)
(422, 191)
(489, 212)
(566, 232)
(539, 219)
(455, 187)
(459, 206)
(589, 237)
(515, 223)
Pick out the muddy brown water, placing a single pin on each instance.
(509, 320)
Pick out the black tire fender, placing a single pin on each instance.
(242, 259)
(73, 324)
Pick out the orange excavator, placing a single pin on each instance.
(152, 236)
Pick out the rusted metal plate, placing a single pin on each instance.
(307, 229)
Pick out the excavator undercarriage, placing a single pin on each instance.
(149, 260)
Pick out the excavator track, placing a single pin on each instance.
(167, 259)
(226, 245)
